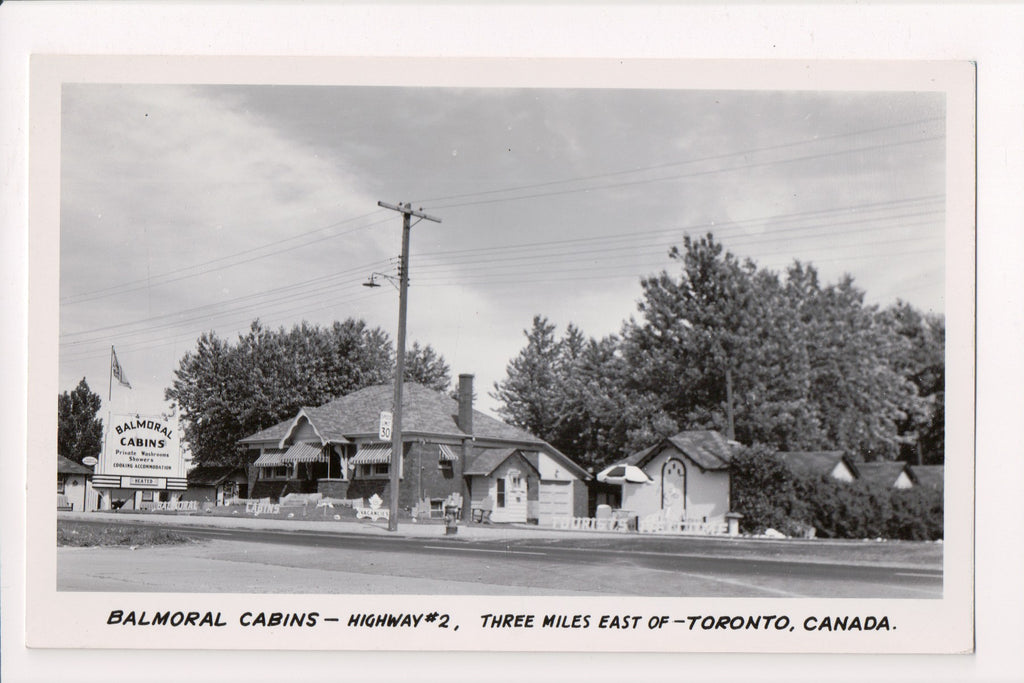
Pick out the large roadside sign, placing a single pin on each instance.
(141, 452)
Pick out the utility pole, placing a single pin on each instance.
(403, 276)
(728, 404)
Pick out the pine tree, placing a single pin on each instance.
(79, 430)
(529, 394)
(811, 366)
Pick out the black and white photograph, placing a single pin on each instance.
(654, 342)
(501, 356)
(592, 341)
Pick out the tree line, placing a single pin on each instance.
(775, 359)
(780, 360)
(229, 390)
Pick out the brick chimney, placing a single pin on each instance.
(466, 403)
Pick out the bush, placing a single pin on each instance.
(839, 509)
(769, 495)
(916, 515)
(764, 492)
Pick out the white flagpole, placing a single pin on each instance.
(110, 379)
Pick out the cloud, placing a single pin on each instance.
(157, 179)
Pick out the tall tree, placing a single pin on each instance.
(227, 391)
(921, 360)
(528, 393)
(854, 349)
(79, 430)
(722, 325)
(426, 366)
(789, 362)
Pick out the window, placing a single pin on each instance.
(147, 496)
(60, 485)
(501, 494)
(279, 472)
(446, 467)
(373, 470)
(514, 481)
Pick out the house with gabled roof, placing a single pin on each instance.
(689, 478)
(448, 448)
(929, 476)
(834, 464)
(216, 484)
(74, 486)
(889, 474)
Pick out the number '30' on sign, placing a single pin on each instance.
(385, 426)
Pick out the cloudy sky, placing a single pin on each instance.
(194, 208)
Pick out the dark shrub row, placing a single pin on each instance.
(769, 495)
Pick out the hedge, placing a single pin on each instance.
(770, 495)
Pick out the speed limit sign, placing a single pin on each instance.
(385, 426)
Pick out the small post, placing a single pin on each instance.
(733, 521)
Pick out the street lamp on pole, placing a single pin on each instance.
(397, 450)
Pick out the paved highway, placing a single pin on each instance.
(353, 562)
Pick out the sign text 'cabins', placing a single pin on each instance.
(141, 452)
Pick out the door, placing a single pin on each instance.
(673, 489)
(510, 498)
(555, 502)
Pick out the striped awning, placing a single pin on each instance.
(447, 454)
(370, 455)
(271, 457)
(304, 452)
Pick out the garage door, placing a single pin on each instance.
(554, 501)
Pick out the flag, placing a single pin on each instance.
(117, 370)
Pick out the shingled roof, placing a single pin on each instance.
(816, 462)
(706, 447)
(486, 460)
(930, 476)
(884, 473)
(210, 475)
(424, 412)
(67, 466)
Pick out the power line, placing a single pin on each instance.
(672, 164)
(260, 298)
(709, 226)
(546, 277)
(145, 283)
(279, 315)
(541, 277)
(695, 174)
(256, 295)
(614, 242)
(172, 324)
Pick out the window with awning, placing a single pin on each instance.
(270, 457)
(372, 455)
(304, 452)
(448, 454)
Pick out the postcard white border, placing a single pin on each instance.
(754, 20)
(918, 621)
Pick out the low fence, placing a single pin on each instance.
(693, 527)
(654, 524)
(175, 506)
(592, 524)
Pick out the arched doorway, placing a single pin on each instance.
(673, 488)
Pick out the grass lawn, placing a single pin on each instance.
(76, 534)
